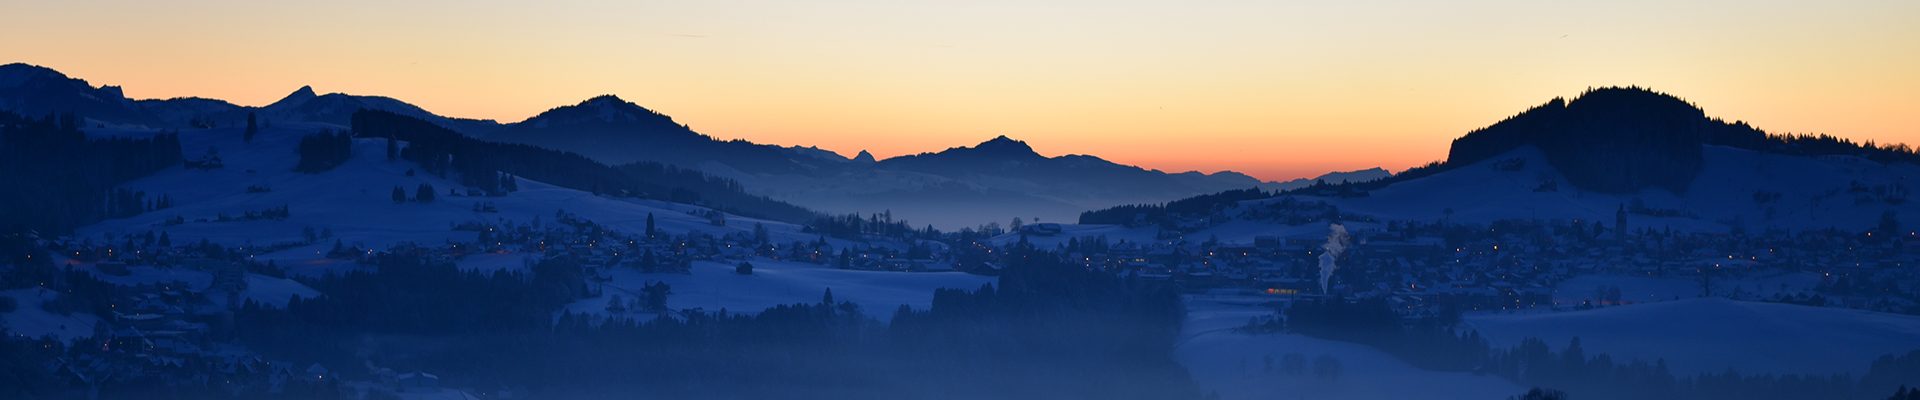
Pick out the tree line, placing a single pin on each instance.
(60, 179)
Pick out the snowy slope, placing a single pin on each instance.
(1713, 335)
(29, 320)
(354, 200)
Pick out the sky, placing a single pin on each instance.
(1276, 89)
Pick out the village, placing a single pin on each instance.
(165, 310)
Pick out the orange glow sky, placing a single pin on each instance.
(1275, 89)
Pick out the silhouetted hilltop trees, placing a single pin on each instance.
(1615, 140)
(480, 164)
(324, 151)
(57, 179)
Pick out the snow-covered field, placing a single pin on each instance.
(1714, 334)
(1234, 365)
(266, 290)
(29, 320)
(712, 286)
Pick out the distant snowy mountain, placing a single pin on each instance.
(1659, 158)
(996, 180)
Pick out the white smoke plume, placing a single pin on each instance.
(1337, 242)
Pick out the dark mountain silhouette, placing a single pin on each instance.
(194, 112)
(1003, 157)
(34, 91)
(615, 131)
(39, 91)
(338, 108)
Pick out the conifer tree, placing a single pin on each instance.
(424, 193)
(253, 127)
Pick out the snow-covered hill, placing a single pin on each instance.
(354, 200)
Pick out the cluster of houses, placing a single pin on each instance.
(1432, 267)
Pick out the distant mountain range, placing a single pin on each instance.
(996, 180)
(35, 91)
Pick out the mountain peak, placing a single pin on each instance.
(15, 73)
(603, 110)
(613, 108)
(1005, 145)
(864, 157)
(298, 96)
(605, 99)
